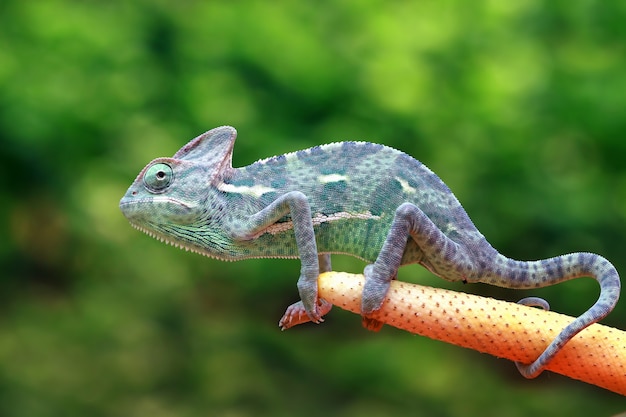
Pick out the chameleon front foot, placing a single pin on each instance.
(296, 314)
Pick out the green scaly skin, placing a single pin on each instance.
(355, 198)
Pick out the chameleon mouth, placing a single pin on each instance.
(129, 202)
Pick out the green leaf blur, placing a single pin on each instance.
(518, 106)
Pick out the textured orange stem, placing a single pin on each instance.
(597, 355)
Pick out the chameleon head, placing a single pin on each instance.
(168, 199)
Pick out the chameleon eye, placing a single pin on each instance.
(158, 177)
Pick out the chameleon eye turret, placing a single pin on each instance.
(158, 177)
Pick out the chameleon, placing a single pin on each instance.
(362, 199)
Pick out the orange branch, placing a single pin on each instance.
(597, 355)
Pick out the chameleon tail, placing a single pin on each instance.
(558, 269)
(535, 302)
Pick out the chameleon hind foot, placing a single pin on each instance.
(296, 314)
(374, 293)
(370, 324)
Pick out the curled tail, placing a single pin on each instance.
(551, 271)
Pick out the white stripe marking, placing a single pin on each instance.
(318, 219)
(325, 179)
(255, 190)
(405, 186)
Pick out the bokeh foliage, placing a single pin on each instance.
(517, 105)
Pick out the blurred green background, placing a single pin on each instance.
(518, 106)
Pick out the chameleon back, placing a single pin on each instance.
(352, 202)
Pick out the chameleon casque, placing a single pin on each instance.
(357, 198)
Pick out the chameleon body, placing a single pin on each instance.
(355, 198)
